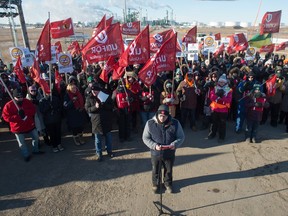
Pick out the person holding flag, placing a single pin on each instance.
(19, 112)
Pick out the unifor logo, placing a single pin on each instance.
(16, 53)
(102, 37)
(209, 41)
(129, 25)
(251, 51)
(158, 38)
(64, 60)
(269, 17)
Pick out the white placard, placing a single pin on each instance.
(65, 64)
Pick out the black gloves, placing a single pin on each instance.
(258, 104)
(21, 113)
(220, 93)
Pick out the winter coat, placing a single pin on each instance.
(190, 101)
(284, 105)
(51, 110)
(166, 95)
(75, 117)
(17, 125)
(101, 118)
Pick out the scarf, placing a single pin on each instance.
(79, 103)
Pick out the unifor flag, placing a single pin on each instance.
(131, 28)
(271, 86)
(101, 25)
(35, 75)
(158, 39)
(238, 42)
(109, 21)
(163, 60)
(74, 48)
(138, 52)
(107, 43)
(218, 36)
(108, 67)
(190, 36)
(18, 70)
(270, 22)
(268, 48)
(43, 47)
(62, 28)
(281, 46)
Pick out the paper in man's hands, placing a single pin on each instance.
(102, 96)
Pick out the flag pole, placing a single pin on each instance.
(50, 65)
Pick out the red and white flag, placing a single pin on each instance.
(190, 36)
(74, 48)
(35, 74)
(107, 43)
(138, 52)
(62, 28)
(58, 80)
(267, 48)
(43, 47)
(101, 25)
(157, 40)
(18, 69)
(281, 46)
(270, 22)
(163, 60)
(131, 28)
(108, 67)
(271, 86)
(238, 42)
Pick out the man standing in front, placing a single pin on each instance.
(21, 120)
(163, 134)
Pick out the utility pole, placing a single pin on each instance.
(23, 25)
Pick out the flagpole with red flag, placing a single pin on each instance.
(50, 65)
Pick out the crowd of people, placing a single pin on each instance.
(201, 95)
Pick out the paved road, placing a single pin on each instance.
(232, 178)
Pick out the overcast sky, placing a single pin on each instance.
(182, 10)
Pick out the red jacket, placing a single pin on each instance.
(17, 125)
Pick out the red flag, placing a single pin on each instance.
(268, 48)
(101, 25)
(131, 28)
(109, 21)
(158, 39)
(107, 43)
(281, 46)
(190, 36)
(238, 42)
(58, 80)
(230, 50)
(62, 28)
(43, 48)
(117, 71)
(271, 86)
(58, 47)
(18, 69)
(218, 36)
(270, 22)
(163, 60)
(75, 48)
(219, 50)
(108, 67)
(138, 52)
(35, 74)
